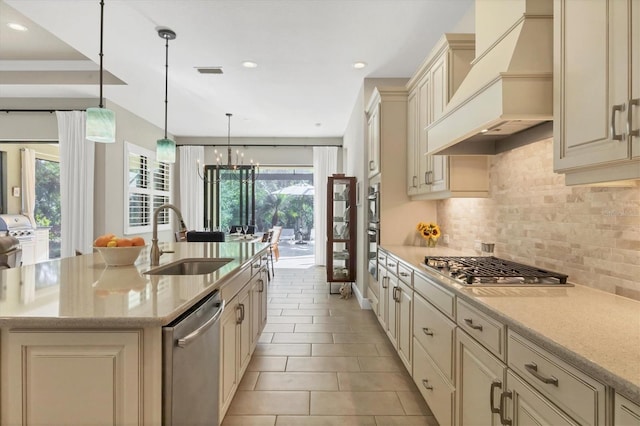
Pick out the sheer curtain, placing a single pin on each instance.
(325, 163)
(76, 183)
(29, 184)
(191, 186)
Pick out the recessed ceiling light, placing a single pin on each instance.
(17, 27)
(484, 130)
(359, 65)
(249, 64)
(318, 124)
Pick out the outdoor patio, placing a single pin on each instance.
(295, 256)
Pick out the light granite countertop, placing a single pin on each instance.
(82, 292)
(597, 332)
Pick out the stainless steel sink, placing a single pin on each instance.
(191, 266)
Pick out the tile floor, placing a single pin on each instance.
(322, 360)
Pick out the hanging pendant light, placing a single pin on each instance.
(165, 147)
(101, 122)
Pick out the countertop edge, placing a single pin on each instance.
(621, 385)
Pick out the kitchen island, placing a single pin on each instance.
(81, 342)
(575, 346)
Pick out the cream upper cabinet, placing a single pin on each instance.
(431, 87)
(596, 90)
(373, 138)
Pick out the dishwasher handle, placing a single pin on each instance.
(184, 342)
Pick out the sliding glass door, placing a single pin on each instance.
(229, 196)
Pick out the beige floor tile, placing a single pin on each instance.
(283, 306)
(313, 305)
(355, 403)
(352, 321)
(297, 381)
(302, 338)
(249, 421)
(267, 363)
(381, 363)
(414, 404)
(323, 364)
(249, 380)
(269, 402)
(290, 320)
(359, 338)
(368, 381)
(265, 338)
(275, 349)
(315, 291)
(344, 349)
(279, 328)
(304, 312)
(323, 328)
(326, 421)
(385, 349)
(289, 301)
(274, 312)
(406, 421)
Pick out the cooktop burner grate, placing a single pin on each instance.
(472, 268)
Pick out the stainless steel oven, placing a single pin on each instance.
(374, 205)
(373, 236)
(373, 228)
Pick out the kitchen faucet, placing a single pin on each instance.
(155, 250)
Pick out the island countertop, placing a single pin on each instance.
(83, 292)
(596, 331)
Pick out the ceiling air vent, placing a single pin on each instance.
(209, 70)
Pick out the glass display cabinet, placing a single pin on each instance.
(341, 230)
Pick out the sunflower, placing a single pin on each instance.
(428, 231)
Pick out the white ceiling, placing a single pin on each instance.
(304, 85)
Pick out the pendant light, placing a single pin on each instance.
(101, 122)
(165, 147)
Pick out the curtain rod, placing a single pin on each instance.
(39, 110)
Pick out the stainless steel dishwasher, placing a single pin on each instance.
(191, 346)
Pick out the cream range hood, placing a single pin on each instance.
(506, 99)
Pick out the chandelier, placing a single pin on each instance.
(233, 162)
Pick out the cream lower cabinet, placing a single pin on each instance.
(383, 297)
(625, 412)
(404, 334)
(259, 305)
(72, 377)
(597, 90)
(480, 382)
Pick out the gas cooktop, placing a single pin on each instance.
(492, 271)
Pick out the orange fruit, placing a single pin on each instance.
(123, 242)
(112, 243)
(101, 241)
(138, 241)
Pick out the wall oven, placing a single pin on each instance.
(373, 228)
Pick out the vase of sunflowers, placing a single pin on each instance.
(430, 232)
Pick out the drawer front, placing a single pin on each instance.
(489, 332)
(577, 394)
(405, 273)
(435, 332)
(626, 413)
(392, 265)
(440, 396)
(382, 258)
(235, 284)
(436, 295)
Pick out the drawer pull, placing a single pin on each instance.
(427, 331)
(392, 265)
(426, 384)
(630, 130)
(472, 325)
(404, 274)
(503, 396)
(383, 280)
(495, 384)
(533, 369)
(616, 136)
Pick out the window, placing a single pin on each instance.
(148, 185)
(47, 209)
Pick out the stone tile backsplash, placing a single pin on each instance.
(591, 233)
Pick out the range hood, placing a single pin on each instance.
(506, 99)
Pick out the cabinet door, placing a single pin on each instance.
(50, 374)
(479, 383)
(228, 354)
(634, 117)
(625, 413)
(373, 139)
(264, 297)
(424, 118)
(439, 173)
(256, 305)
(525, 406)
(392, 320)
(383, 297)
(405, 327)
(413, 150)
(245, 311)
(591, 75)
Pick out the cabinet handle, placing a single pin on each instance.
(255, 266)
(239, 311)
(472, 325)
(383, 280)
(392, 265)
(503, 396)
(426, 384)
(261, 281)
(372, 165)
(533, 369)
(404, 274)
(614, 135)
(426, 180)
(427, 331)
(495, 384)
(414, 181)
(396, 297)
(630, 130)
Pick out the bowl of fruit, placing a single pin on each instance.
(118, 251)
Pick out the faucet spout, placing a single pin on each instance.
(155, 250)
